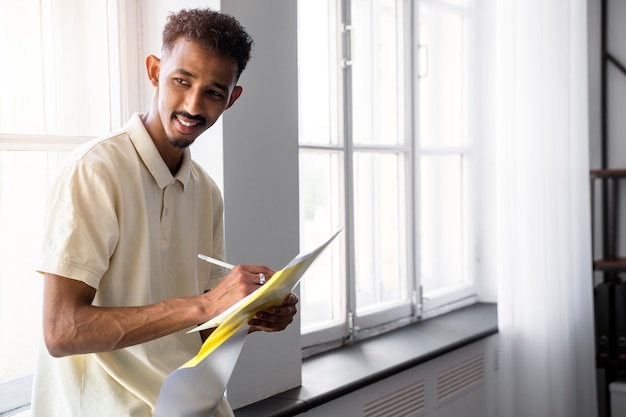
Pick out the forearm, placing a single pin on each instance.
(72, 325)
(101, 329)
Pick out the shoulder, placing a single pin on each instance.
(113, 154)
(202, 177)
(105, 148)
(99, 167)
(207, 191)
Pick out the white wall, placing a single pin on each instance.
(616, 102)
(616, 27)
(616, 84)
(261, 183)
(594, 35)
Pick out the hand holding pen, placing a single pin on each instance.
(226, 265)
(274, 318)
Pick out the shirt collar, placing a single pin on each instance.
(151, 157)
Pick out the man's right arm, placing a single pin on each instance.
(72, 325)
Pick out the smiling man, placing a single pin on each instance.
(126, 219)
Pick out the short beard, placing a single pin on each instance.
(180, 143)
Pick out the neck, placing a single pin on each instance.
(172, 155)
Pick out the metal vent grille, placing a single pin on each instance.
(496, 359)
(461, 377)
(402, 403)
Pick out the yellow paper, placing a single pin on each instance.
(272, 293)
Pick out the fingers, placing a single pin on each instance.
(270, 322)
(241, 281)
(249, 278)
(276, 318)
(254, 274)
(291, 299)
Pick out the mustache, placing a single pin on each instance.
(190, 116)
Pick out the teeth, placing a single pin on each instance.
(186, 123)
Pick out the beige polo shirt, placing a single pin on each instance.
(120, 222)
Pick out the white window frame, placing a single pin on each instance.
(420, 306)
(463, 294)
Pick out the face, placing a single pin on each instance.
(194, 87)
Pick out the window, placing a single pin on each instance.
(58, 89)
(385, 153)
(444, 145)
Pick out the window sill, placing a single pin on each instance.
(332, 374)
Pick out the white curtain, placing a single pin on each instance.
(545, 291)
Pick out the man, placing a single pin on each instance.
(126, 219)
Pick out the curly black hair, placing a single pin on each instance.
(214, 30)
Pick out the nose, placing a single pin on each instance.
(193, 101)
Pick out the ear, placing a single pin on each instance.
(153, 66)
(234, 95)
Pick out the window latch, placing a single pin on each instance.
(418, 302)
(422, 61)
(348, 45)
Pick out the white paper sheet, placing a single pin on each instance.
(196, 391)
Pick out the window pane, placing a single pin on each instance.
(21, 72)
(380, 229)
(23, 189)
(59, 71)
(55, 82)
(453, 2)
(442, 89)
(318, 70)
(377, 83)
(320, 216)
(442, 219)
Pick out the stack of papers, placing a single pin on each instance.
(198, 386)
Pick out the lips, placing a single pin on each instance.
(187, 124)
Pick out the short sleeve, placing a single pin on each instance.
(81, 228)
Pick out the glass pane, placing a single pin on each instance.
(441, 211)
(377, 68)
(59, 72)
(317, 72)
(380, 229)
(442, 88)
(321, 296)
(451, 2)
(22, 87)
(23, 189)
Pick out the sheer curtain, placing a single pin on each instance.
(542, 202)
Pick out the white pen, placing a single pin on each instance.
(227, 266)
(215, 261)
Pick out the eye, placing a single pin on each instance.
(180, 81)
(214, 93)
